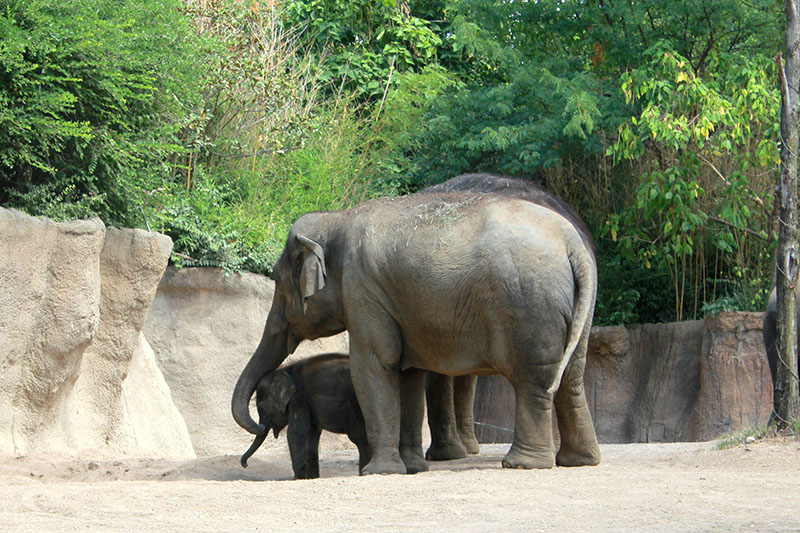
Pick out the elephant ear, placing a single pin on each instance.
(283, 391)
(312, 274)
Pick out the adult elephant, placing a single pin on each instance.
(450, 400)
(453, 283)
(769, 331)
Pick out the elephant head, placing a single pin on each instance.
(306, 305)
(274, 392)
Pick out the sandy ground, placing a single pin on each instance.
(643, 487)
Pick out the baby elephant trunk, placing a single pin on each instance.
(257, 442)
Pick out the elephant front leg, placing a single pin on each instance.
(533, 429)
(412, 386)
(303, 439)
(445, 441)
(377, 387)
(463, 401)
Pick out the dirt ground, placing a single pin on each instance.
(643, 487)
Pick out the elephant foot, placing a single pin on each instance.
(445, 452)
(470, 443)
(575, 458)
(412, 458)
(515, 459)
(384, 465)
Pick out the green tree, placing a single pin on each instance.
(94, 97)
(363, 43)
(709, 149)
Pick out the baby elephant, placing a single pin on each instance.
(310, 395)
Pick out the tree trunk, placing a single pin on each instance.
(787, 396)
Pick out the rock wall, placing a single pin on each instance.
(75, 372)
(642, 381)
(686, 381)
(735, 390)
(203, 327)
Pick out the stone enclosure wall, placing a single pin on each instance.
(105, 349)
(76, 373)
(686, 381)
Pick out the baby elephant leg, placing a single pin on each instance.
(303, 439)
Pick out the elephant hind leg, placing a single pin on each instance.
(533, 429)
(579, 445)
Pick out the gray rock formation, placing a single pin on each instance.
(642, 381)
(75, 297)
(735, 390)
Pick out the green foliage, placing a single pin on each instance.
(738, 295)
(531, 123)
(259, 91)
(331, 171)
(363, 42)
(267, 147)
(709, 144)
(92, 98)
(238, 218)
(628, 292)
(399, 121)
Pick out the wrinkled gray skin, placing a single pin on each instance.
(311, 395)
(452, 283)
(769, 331)
(450, 400)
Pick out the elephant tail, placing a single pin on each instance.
(584, 272)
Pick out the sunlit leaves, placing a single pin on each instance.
(711, 144)
(93, 96)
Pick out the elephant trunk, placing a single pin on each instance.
(271, 352)
(257, 442)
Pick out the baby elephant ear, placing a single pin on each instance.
(284, 389)
(312, 275)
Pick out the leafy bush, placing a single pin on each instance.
(268, 148)
(362, 43)
(703, 206)
(93, 98)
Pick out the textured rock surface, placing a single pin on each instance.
(642, 381)
(735, 383)
(684, 381)
(76, 296)
(203, 327)
(50, 278)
